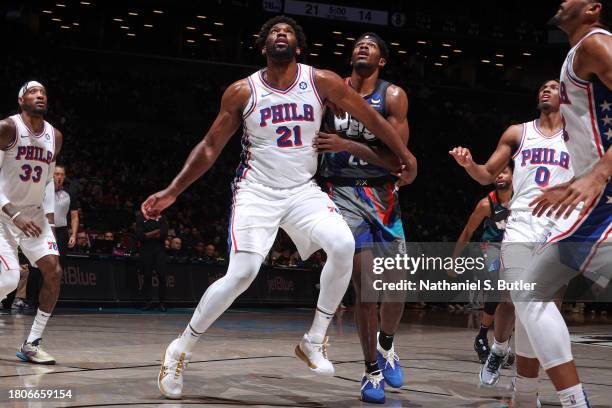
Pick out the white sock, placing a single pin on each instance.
(573, 397)
(188, 339)
(321, 322)
(38, 326)
(525, 392)
(501, 349)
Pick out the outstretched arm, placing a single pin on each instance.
(333, 88)
(481, 211)
(206, 152)
(486, 173)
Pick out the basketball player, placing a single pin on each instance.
(494, 211)
(540, 159)
(583, 244)
(31, 146)
(280, 107)
(356, 169)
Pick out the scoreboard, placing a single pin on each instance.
(329, 11)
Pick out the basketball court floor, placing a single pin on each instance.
(110, 358)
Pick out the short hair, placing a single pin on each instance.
(267, 26)
(382, 45)
(63, 166)
(557, 80)
(605, 16)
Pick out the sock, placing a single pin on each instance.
(188, 339)
(371, 367)
(38, 326)
(484, 330)
(501, 349)
(321, 322)
(573, 397)
(385, 340)
(525, 392)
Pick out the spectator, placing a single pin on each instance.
(176, 250)
(83, 245)
(151, 234)
(109, 236)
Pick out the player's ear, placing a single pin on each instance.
(298, 51)
(263, 51)
(382, 62)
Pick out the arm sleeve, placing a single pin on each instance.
(49, 197)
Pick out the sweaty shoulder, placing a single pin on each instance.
(396, 94)
(593, 56)
(237, 95)
(512, 135)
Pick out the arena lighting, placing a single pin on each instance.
(402, 52)
(499, 65)
(337, 32)
(395, 43)
(207, 35)
(499, 55)
(446, 45)
(318, 44)
(444, 56)
(438, 64)
(118, 19)
(218, 23)
(158, 12)
(350, 39)
(132, 13)
(485, 61)
(340, 45)
(47, 11)
(256, 35)
(76, 24)
(148, 25)
(527, 54)
(131, 35)
(313, 54)
(337, 53)
(201, 17)
(457, 51)
(213, 39)
(421, 42)
(85, 3)
(190, 41)
(56, 19)
(65, 26)
(190, 28)
(125, 27)
(60, 5)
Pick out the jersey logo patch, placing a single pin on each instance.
(303, 85)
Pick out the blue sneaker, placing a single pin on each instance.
(373, 388)
(389, 364)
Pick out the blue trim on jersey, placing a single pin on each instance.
(602, 98)
(587, 235)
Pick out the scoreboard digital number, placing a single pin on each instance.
(335, 12)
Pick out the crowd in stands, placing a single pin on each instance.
(128, 131)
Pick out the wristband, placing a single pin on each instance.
(52, 225)
(15, 215)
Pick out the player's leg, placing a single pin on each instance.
(481, 342)
(253, 228)
(43, 253)
(313, 221)
(21, 294)
(9, 263)
(525, 393)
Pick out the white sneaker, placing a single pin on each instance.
(315, 356)
(170, 380)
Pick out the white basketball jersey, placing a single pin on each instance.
(540, 161)
(587, 114)
(26, 163)
(279, 127)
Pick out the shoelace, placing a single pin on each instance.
(180, 366)
(390, 358)
(321, 348)
(374, 378)
(493, 362)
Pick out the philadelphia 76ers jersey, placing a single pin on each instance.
(279, 126)
(26, 164)
(587, 114)
(540, 161)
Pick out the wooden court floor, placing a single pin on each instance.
(110, 358)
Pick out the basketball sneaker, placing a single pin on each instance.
(481, 346)
(491, 369)
(33, 353)
(170, 380)
(389, 364)
(315, 355)
(373, 387)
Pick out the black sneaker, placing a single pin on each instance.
(481, 346)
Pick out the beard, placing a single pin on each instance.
(281, 54)
(33, 109)
(361, 64)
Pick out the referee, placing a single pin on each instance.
(64, 202)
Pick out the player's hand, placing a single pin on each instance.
(156, 203)
(462, 155)
(339, 113)
(27, 225)
(404, 175)
(562, 199)
(72, 241)
(329, 143)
